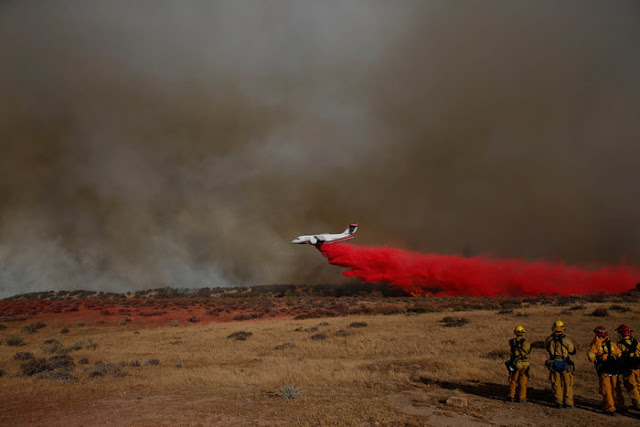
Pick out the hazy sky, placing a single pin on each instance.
(150, 143)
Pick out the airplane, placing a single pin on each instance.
(319, 239)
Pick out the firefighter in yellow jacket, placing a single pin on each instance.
(560, 366)
(605, 355)
(630, 363)
(518, 365)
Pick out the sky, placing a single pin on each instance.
(158, 143)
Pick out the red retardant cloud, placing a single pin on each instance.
(450, 275)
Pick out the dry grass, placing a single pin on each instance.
(397, 369)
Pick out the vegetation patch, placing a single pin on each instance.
(61, 361)
(152, 362)
(52, 346)
(14, 341)
(34, 327)
(600, 312)
(454, 322)
(240, 335)
(23, 355)
(620, 308)
(319, 337)
(358, 325)
(289, 392)
(101, 369)
(34, 366)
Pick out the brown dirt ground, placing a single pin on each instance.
(399, 370)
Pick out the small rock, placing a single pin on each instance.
(457, 401)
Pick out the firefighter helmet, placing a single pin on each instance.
(624, 330)
(519, 330)
(558, 326)
(601, 332)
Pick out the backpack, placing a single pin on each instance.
(557, 363)
(632, 361)
(609, 366)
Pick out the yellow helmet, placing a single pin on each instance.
(558, 326)
(519, 330)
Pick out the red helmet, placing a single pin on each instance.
(601, 331)
(624, 330)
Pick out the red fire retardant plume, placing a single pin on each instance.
(449, 275)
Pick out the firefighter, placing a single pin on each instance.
(518, 365)
(605, 355)
(560, 366)
(630, 364)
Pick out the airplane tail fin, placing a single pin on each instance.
(351, 229)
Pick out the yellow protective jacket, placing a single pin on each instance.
(599, 350)
(520, 350)
(626, 345)
(630, 355)
(559, 346)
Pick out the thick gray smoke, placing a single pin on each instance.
(148, 144)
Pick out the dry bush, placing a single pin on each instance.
(2, 327)
(152, 362)
(14, 341)
(342, 333)
(34, 327)
(620, 308)
(34, 366)
(61, 361)
(101, 369)
(64, 331)
(451, 321)
(537, 344)
(52, 346)
(59, 375)
(600, 312)
(289, 392)
(506, 311)
(358, 325)
(240, 336)
(319, 337)
(23, 355)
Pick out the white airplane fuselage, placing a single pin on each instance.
(325, 238)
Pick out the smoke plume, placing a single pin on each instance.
(159, 143)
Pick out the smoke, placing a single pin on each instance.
(475, 276)
(159, 143)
